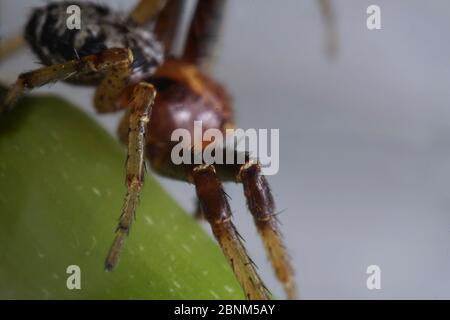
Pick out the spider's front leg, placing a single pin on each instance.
(217, 212)
(114, 63)
(141, 98)
(330, 31)
(261, 204)
(146, 10)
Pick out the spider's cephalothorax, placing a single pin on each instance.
(101, 28)
(121, 56)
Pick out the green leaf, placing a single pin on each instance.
(61, 192)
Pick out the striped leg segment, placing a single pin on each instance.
(217, 212)
(111, 62)
(142, 98)
(261, 205)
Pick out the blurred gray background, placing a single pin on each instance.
(365, 138)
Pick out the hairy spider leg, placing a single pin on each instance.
(146, 10)
(142, 98)
(204, 31)
(330, 32)
(167, 24)
(114, 63)
(261, 205)
(217, 212)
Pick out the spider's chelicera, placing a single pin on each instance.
(122, 55)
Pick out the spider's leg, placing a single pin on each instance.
(146, 10)
(10, 46)
(217, 212)
(204, 31)
(198, 213)
(167, 24)
(330, 32)
(140, 104)
(261, 205)
(111, 88)
(102, 62)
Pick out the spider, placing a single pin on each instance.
(127, 58)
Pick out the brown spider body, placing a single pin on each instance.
(121, 56)
(185, 95)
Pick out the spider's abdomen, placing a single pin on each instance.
(101, 28)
